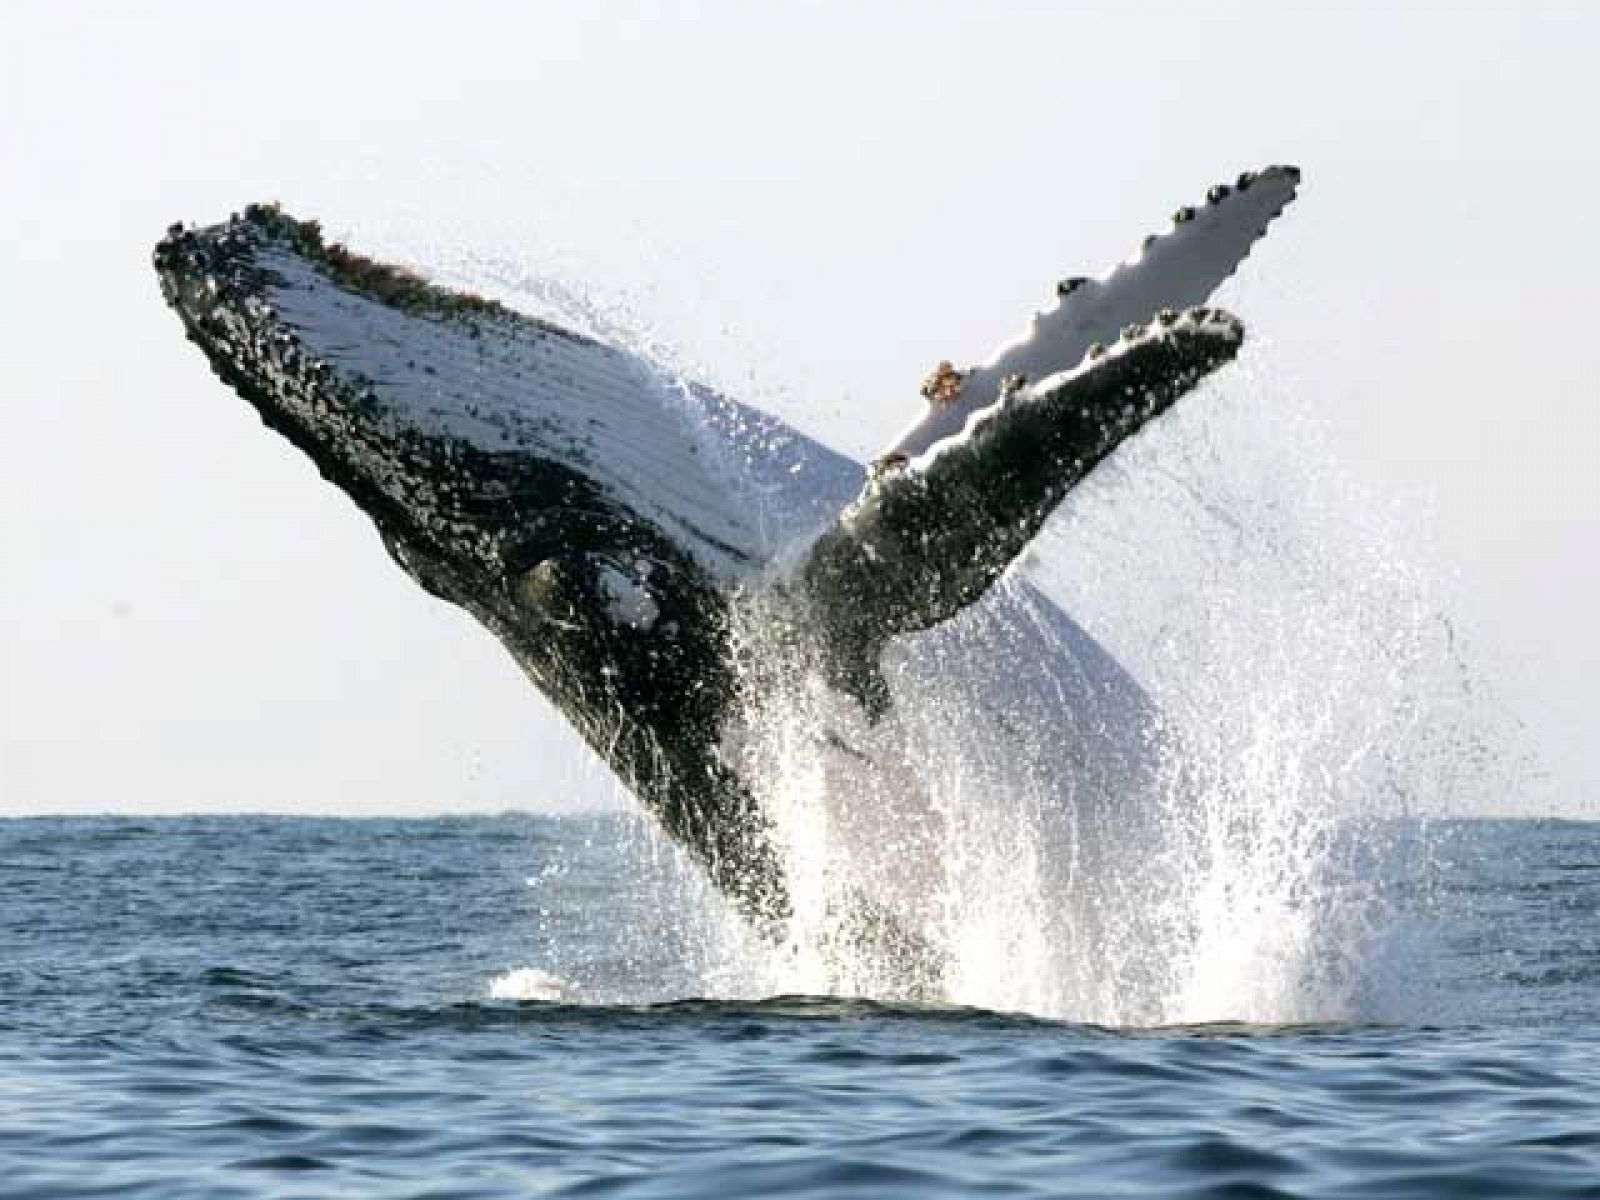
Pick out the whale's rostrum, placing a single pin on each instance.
(572, 497)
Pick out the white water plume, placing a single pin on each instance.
(1312, 696)
(1073, 855)
(1211, 846)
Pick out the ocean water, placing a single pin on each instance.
(517, 1005)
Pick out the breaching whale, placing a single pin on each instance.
(615, 527)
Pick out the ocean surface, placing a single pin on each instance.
(519, 1006)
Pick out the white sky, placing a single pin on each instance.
(817, 202)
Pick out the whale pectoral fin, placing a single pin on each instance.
(1176, 269)
(928, 536)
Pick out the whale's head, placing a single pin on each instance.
(496, 455)
(513, 468)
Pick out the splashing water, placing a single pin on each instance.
(1227, 846)
(1313, 706)
(1232, 854)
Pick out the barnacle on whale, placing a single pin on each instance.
(943, 384)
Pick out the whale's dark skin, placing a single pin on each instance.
(453, 517)
(532, 534)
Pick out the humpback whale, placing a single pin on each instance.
(620, 530)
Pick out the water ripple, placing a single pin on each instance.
(314, 1017)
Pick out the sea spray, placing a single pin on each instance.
(1309, 708)
(1232, 850)
(954, 848)
(1315, 705)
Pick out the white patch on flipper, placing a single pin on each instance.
(1001, 407)
(1177, 270)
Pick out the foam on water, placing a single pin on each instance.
(530, 983)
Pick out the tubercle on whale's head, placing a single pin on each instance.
(219, 282)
